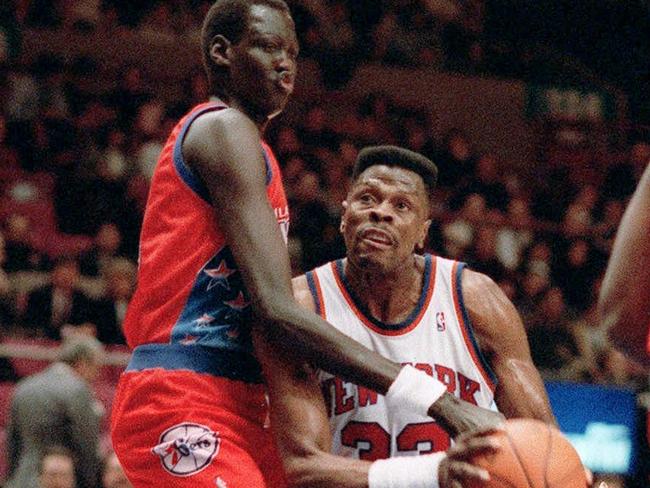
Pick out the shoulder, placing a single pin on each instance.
(475, 284)
(223, 140)
(493, 316)
(220, 124)
(483, 298)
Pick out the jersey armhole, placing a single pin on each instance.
(468, 330)
(316, 292)
(189, 177)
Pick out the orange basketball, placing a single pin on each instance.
(532, 455)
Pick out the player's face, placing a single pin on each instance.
(263, 68)
(385, 218)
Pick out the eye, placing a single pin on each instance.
(269, 47)
(366, 198)
(402, 205)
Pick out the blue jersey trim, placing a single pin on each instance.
(426, 283)
(468, 323)
(200, 359)
(314, 291)
(269, 168)
(184, 171)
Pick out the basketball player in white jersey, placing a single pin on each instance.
(430, 312)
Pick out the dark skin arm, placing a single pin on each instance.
(502, 339)
(223, 148)
(624, 301)
(301, 426)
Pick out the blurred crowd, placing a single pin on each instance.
(75, 167)
(339, 34)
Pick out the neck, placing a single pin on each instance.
(389, 296)
(261, 121)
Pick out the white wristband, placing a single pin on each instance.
(406, 472)
(414, 390)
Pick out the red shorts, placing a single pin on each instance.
(179, 428)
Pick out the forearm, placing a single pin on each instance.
(521, 393)
(304, 334)
(326, 470)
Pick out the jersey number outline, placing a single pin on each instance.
(378, 440)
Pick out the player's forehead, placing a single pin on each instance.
(266, 20)
(391, 177)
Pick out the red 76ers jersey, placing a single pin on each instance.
(436, 338)
(190, 290)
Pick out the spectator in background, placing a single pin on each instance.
(516, 235)
(109, 311)
(332, 40)
(51, 306)
(455, 159)
(113, 475)
(482, 256)
(105, 248)
(459, 233)
(408, 35)
(552, 344)
(128, 96)
(21, 255)
(56, 407)
(486, 181)
(56, 469)
(576, 273)
(310, 216)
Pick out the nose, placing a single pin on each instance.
(285, 63)
(381, 213)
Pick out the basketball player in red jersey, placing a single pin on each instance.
(624, 300)
(191, 408)
(450, 321)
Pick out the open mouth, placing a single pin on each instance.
(377, 237)
(286, 82)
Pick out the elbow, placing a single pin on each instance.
(275, 313)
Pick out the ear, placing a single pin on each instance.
(220, 50)
(342, 225)
(424, 233)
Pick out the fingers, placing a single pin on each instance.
(454, 474)
(464, 471)
(472, 446)
(480, 431)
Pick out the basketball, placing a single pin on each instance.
(533, 454)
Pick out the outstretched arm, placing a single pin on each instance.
(624, 302)
(501, 336)
(224, 149)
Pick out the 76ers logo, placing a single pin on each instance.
(186, 449)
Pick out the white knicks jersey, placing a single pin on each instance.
(436, 338)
